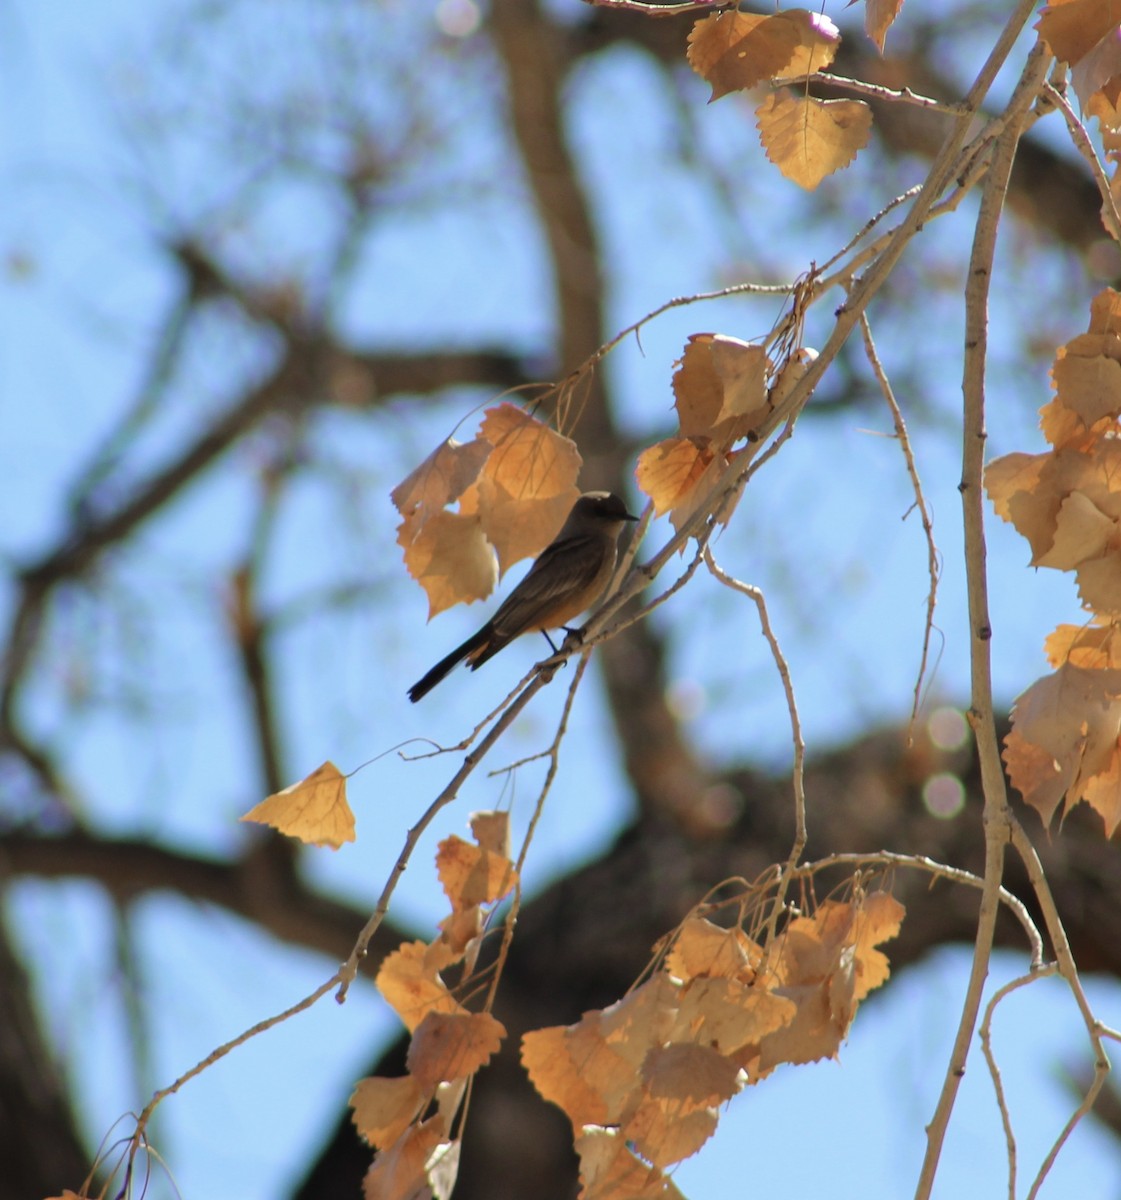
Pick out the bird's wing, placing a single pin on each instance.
(562, 569)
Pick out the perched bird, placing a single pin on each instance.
(567, 577)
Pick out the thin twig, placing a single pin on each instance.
(932, 557)
(994, 1068)
(553, 754)
(996, 810)
(349, 969)
(874, 91)
(1085, 147)
(920, 862)
(1069, 972)
(798, 771)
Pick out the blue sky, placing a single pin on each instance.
(82, 296)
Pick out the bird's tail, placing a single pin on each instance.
(425, 684)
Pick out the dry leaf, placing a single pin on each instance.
(1089, 387)
(1064, 742)
(520, 527)
(580, 1074)
(529, 460)
(1105, 312)
(1097, 69)
(609, 1171)
(384, 1108)
(1066, 503)
(791, 374)
(808, 139)
(400, 1172)
(491, 831)
(452, 560)
(720, 388)
(1073, 27)
(412, 986)
(1099, 584)
(450, 1046)
(471, 875)
(737, 50)
(879, 15)
(514, 484)
(728, 1015)
(1010, 475)
(668, 472)
(1090, 646)
(827, 963)
(590, 1069)
(315, 810)
(441, 479)
(704, 949)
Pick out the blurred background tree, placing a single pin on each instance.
(260, 258)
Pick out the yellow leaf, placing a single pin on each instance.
(315, 810)
(808, 139)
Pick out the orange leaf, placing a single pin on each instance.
(470, 875)
(736, 50)
(384, 1108)
(1088, 646)
(412, 986)
(879, 15)
(668, 471)
(450, 1046)
(728, 1015)
(609, 1171)
(442, 478)
(402, 1172)
(491, 831)
(808, 139)
(1073, 27)
(315, 810)
(719, 387)
(1064, 742)
(704, 949)
(521, 526)
(452, 560)
(530, 460)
